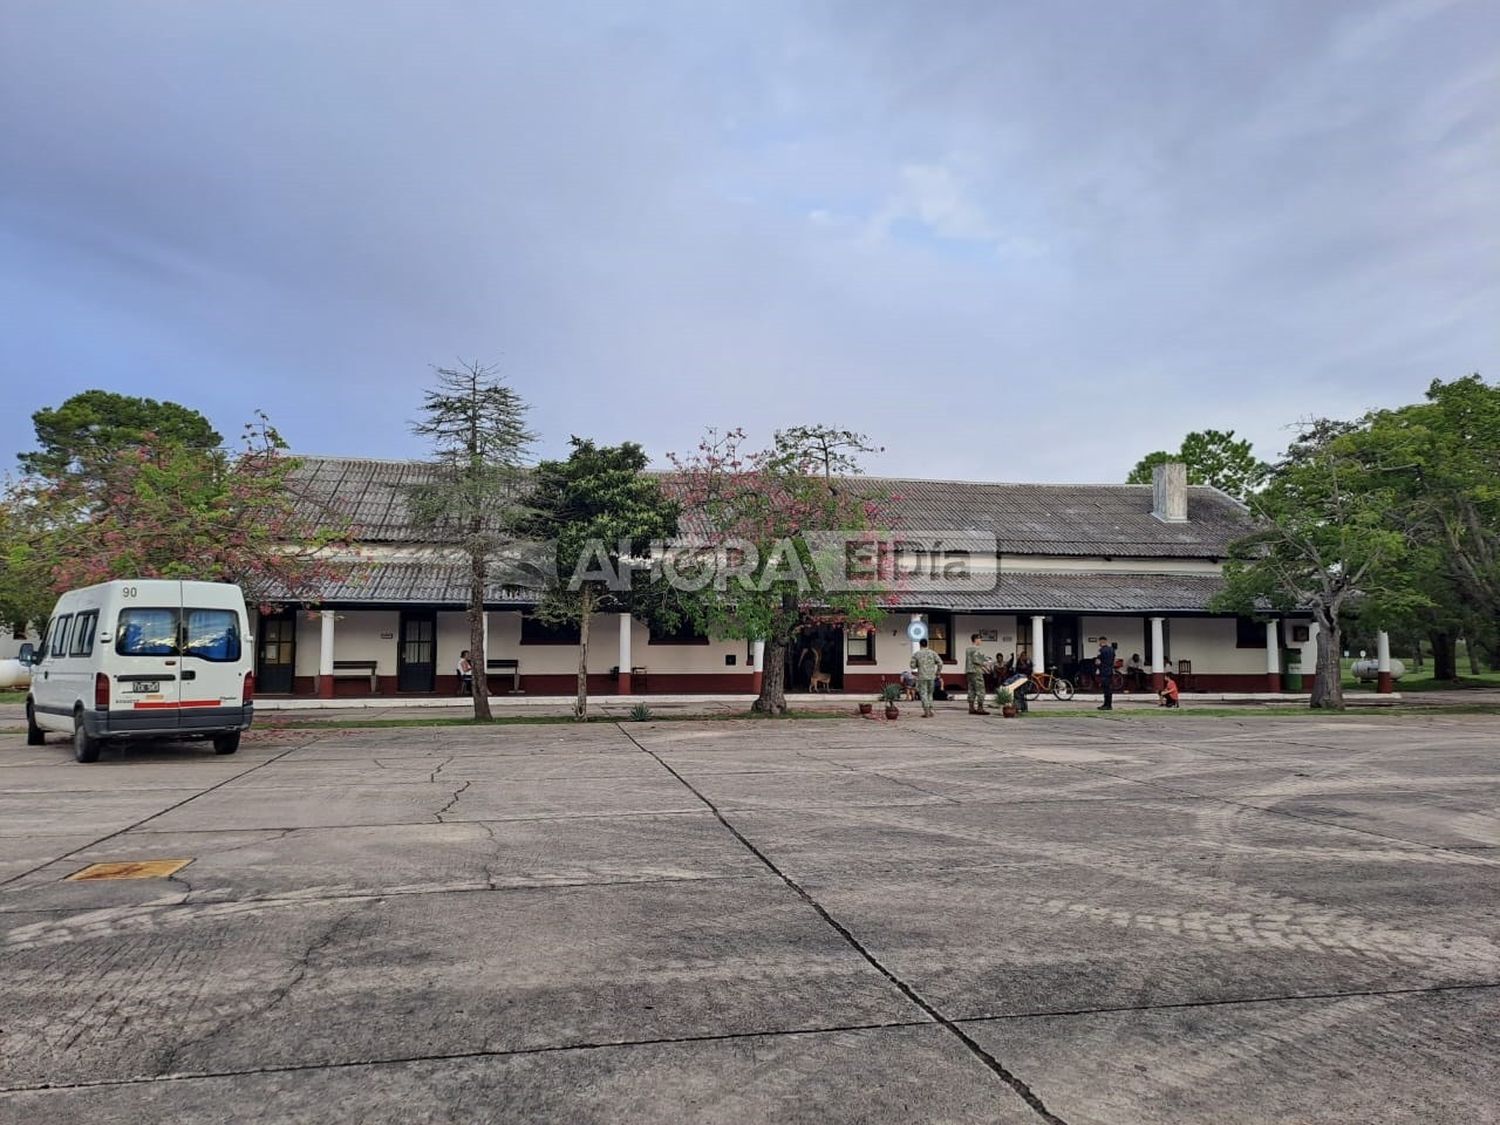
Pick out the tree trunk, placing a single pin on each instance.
(1416, 654)
(585, 611)
(772, 698)
(1475, 669)
(1328, 688)
(478, 660)
(1444, 667)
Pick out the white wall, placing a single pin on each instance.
(1209, 644)
(1127, 634)
(356, 636)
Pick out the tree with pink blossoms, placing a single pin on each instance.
(778, 537)
(154, 507)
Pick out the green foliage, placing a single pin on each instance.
(474, 498)
(599, 510)
(640, 713)
(763, 511)
(96, 424)
(158, 509)
(477, 426)
(1212, 457)
(1326, 545)
(1004, 697)
(890, 693)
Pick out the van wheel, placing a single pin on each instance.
(226, 743)
(35, 735)
(85, 748)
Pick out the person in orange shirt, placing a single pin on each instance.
(1169, 692)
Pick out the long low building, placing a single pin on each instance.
(1063, 565)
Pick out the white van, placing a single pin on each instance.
(144, 658)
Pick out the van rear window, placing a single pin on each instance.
(213, 634)
(147, 632)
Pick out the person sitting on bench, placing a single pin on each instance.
(1169, 692)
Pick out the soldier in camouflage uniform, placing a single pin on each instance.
(928, 664)
(975, 662)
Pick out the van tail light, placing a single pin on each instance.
(101, 691)
(247, 694)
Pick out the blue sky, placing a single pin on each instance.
(1008, 240)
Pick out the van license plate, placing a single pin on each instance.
(146, 686)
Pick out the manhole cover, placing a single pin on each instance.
(131, 869)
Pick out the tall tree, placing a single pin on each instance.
(1325, 545)
(160, 509)
(94, 424)
(1440, 460)
(760, 570)
(474, 498)
(1212, 457)
(600, 511)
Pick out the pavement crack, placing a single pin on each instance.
(1019, 1087)
(273, 999)
(457, 793)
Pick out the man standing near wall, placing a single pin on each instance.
(975, 662)
(1107, 673)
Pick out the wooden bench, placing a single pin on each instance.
(511, 666)
(352, 669)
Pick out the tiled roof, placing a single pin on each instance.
(1026, 519)
(371, 494)
(1070, 519)
(1077, 593)
(424, 582)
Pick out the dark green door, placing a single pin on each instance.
(276, 653)
(416, 658)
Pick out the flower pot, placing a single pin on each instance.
(866, 708)
(892, 711)
(1009, 711)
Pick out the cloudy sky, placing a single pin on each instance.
(1012, 240)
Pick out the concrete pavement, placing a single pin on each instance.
(967, 919)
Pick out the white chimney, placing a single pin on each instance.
(1169, 492)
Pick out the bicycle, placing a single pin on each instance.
(1043, 683)
(1088, 680)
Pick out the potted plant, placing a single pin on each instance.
(1007, 701)
(866, 708)
(890, 693)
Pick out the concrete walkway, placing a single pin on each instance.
(1092, 920)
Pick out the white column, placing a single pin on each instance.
(758, 660)
(484, 632)
(916, 617)
(1158, 646)
(624, 644)
(1383, 652)
(1273, 648)
(1038, 643)
(325, 654)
